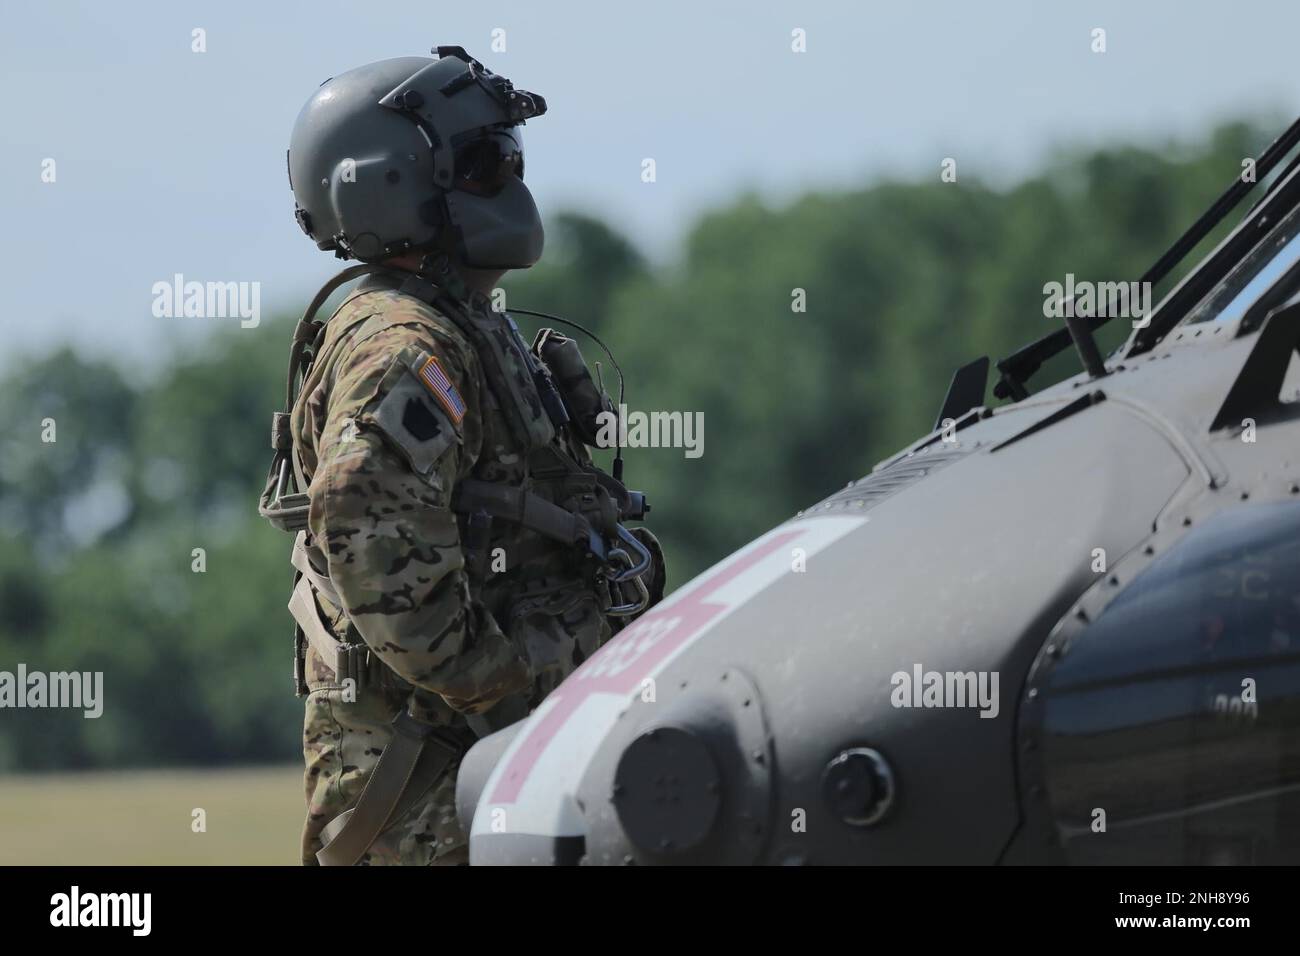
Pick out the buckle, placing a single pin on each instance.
(408, 725)
(413, 728)
(354, 662)
(288, 512)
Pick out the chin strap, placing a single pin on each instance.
(437, 268)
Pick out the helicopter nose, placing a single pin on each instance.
(692, 783)
(475, 769)
(667, 790)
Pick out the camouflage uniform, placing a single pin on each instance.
(382, 528)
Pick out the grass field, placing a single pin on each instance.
(254, 816)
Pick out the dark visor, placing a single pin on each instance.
(484, 164)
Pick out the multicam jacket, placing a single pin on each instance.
(396, 411)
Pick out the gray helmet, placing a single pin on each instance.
(411, 153)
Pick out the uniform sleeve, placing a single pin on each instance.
(390, 453)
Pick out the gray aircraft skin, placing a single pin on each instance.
(1065, 629)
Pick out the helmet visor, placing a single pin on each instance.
(487, 162)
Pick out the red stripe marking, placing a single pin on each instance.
(621, 665)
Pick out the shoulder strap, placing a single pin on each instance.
(522, 387)
(410, 764)
(284, 501)
(307, 329)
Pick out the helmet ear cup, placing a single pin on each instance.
(356, 168)
(376, 209)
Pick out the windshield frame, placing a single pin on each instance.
(1263, 274)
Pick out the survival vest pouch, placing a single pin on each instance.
(584, 400)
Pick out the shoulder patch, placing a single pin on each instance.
(439, 384)
(418, 422)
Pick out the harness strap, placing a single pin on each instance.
(529, 404)
(345, 660)
(518, 505)
(305, 331)
(412, 762)
(319, 579)
(285, 503)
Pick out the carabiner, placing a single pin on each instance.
(643, 593)
(633, 571)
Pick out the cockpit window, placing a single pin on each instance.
(1173, 710)
(1230, 591)
(1269, 269)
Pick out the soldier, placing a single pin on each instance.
(457, 552)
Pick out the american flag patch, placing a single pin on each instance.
(432, 375)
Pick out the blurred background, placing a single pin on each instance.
(775, 169)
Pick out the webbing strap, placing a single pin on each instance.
(304, 332)
(289, 511)
(302, 561)
(521, 506)
(302, 605)
(411, 763)
(347, 661)
(502, 352)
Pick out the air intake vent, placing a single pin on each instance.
(876, 487)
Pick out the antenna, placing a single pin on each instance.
(1084, 343)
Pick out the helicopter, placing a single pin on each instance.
(1063, 629)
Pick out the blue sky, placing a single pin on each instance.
(172, 161)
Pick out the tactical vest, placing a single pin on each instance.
(556, 514)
